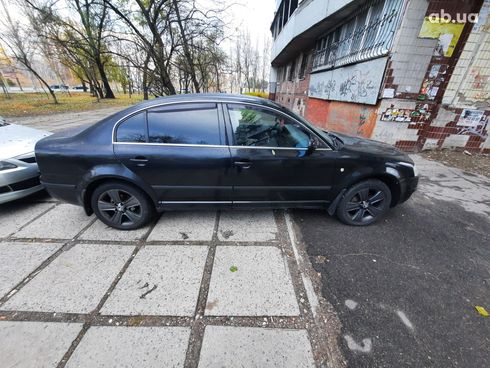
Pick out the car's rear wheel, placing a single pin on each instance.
(364, 203)
(121, 206)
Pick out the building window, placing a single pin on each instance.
(284, 11)
(292, 70)
(366, 35)
(303, 65)
(281, 73)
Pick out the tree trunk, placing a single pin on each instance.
(53, 96)
(105, 80)
(4, 85)
(18, 82)
(217, 78)
(187, 52)
(145, 77)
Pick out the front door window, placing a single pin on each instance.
(256, 127)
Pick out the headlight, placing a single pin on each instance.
(415, 170)
(6, 165)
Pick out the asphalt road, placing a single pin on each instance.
(405, 289)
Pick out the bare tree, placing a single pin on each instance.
(84, 39)
(189, 62)
(150, 24)
(157, 44)
(22, 45)
(266, 49)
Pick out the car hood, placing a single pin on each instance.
(16, 140)
(368, 146)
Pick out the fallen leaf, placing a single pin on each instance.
(233, 268)
(481, 310)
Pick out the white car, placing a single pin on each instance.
(19, 175)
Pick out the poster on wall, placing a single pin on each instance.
(356, 83)
(472, 122)
(403, 115)
(446, 32)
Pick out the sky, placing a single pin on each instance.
(254, 15)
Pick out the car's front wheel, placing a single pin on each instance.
(364, 203)
(121, 206)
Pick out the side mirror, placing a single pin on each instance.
(312, 145)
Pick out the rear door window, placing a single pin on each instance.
(184, 124)
(133, 129)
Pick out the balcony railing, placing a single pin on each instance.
(372, 40)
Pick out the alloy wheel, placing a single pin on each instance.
(119, 207)
(366, 205)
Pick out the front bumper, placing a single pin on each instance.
(12, 196)
(19, 182)
(408, 187)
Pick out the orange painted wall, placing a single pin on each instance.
(342, 117)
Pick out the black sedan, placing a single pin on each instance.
(220, 151)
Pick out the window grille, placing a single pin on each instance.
(367, 35)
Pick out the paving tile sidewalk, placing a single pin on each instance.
(198, 289)
(60, 121)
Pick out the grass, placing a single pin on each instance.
(258, 94)
(29, 104)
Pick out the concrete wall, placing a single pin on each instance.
(470, 83)
(342, 117)
(433, 95)
(411, 55)
(353, 83)
(307, 14)
(431, 90)
(294, 94)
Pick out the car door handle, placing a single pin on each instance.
(243, 164)
(140, 160)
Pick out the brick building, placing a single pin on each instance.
(412, 73)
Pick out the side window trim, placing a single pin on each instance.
(226, 136)
(189, 107)
(147, 129)
(220, 114)
(231, 136)
(123, 120)
(221, 125)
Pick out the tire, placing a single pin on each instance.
(364, 203)
(122, 206)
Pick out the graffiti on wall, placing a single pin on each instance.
(472, 122)
(419, 114)
(479, 80)
(431, 85)
(356, 83)
(367, 122)
(446, 32)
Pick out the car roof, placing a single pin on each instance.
(212, 97)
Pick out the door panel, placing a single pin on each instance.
(179, 150)
(270, 157)
(280, 175)
(181, 173)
